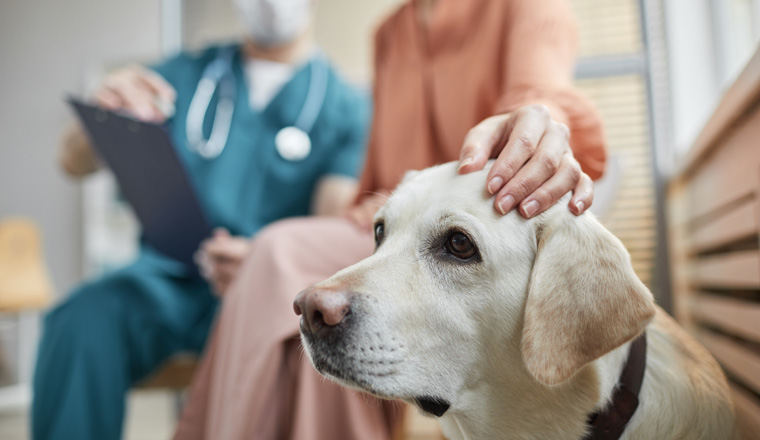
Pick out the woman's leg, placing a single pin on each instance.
(254, 381)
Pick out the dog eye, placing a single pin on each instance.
(460, 246)
(379, 233)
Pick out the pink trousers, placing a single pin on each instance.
(254, 381)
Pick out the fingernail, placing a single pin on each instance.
(580, 206)
(465, 162)
(145, 113)
(506, 204)
(530, 208)
(495, 184)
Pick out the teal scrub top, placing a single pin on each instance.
(249, 184)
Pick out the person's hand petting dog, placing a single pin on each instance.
(220, 257)
(534, 164)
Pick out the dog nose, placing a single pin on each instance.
(322, 308)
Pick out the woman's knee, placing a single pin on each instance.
(312, 235)
(278, 233)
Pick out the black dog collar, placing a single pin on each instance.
(610, 423)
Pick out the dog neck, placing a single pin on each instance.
(508, 403)
(611, 422)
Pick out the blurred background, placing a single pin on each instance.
(675, 81)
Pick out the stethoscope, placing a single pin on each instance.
(292, 142)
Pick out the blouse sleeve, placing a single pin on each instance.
(368, 182)
(541, 43)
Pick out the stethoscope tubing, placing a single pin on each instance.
(219, 74)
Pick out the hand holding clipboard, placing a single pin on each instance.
(152, 178)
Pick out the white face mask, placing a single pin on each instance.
(271, 23)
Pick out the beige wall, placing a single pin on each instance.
(344, 28)
(45, 48)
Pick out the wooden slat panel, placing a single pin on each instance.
(713, 202)
(738, 317)
(739, 362)
(736, 101)
(736, 270)
(738, 223)
(747, 408)
(728, 174)
(622, 103)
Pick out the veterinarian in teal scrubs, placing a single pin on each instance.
(112, 332)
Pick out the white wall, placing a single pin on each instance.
(46, 46)
(344, 28)
(709, 43)
(693, 71)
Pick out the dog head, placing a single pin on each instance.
(454, 291)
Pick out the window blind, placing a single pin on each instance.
(612, 73)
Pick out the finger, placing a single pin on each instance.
(137, 99)
(563, 181)
(226, 267)
(220, 240)
(205, 266)
(524, 139)
(583, 195)
(149, 99)
(540, 168)
(239, 247)
(216, 248)
(206, 270)
(108, 99)
(480, 142)
(206, 274)
(163, 94)
(229, 248)
(215, 244)
(157, 84)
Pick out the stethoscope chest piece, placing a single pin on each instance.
(292, 143)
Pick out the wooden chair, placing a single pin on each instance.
(24, 279)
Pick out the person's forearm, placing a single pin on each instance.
(77, 157)
(333, 196)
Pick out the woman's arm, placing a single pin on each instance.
(547, 138)
(333, 195)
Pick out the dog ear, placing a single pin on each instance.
(584, 299)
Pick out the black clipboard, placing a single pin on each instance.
(152, 179)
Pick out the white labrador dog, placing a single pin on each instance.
(503, 327)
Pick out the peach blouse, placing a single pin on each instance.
(474, 59)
